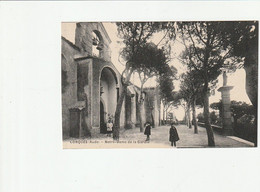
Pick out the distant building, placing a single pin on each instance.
(91, 86)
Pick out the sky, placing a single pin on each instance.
(236, 79)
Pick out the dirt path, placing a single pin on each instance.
(187, 137)
(133, 138)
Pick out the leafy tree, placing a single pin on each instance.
(182, 98)
(206, 53)
(217, 106)
(243, 38)
(166, 87)
(200, 117)
(135, 37)
(185, 97)
(213, 117)
(191, 86)
(152, 62)
(238, 109)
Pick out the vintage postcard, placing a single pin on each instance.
(146, 96)
(167, 84)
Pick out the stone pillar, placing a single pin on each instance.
(226, 112)
(133, 110)
(81, 133)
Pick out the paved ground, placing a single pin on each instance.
(160, 138)
(187, 137)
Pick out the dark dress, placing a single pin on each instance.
(174, 135)
(147, 130)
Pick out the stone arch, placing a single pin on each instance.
(97, 44)
(98, 35)
(108, 90)
(112, 71)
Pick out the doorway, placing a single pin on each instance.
(74, 123)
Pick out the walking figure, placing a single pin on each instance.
(173, 135)
(147, 131)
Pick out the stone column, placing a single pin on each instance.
(226, 112)
(133, 110)
(81, 134)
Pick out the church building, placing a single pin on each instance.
(91, 84)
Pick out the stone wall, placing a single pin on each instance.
(83, 38)
(81, 80)
(152, 105)
(97, 67)
(69, 81)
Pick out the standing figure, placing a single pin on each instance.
(147, 131)
(109, 127)
(173, 135)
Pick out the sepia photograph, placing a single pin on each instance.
(129, 96)
(169, 84)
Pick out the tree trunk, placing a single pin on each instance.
(118, 112)
(251, 68)
(251, 89)
(211, 141)
(140, 108)
(153, 125)
(166, 116)
(193, 105)
(185, 117)
(125, 82)
(163, 116)
(255, 131)
(189, 119)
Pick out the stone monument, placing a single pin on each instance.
(226, 112)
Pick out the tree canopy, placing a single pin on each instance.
(140, 55)
(207, 53)
(242, 37)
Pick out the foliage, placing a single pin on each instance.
(140, 54)
(238, 108)
(216, 105)
(191, 85)
(151, 61)
(245, 127)
(242, 37)
(243, 115)
(213, 117)
(205, 50)
(136, 36)
(166, 86)
(206, 53)
(166, 92)
(200, 117)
